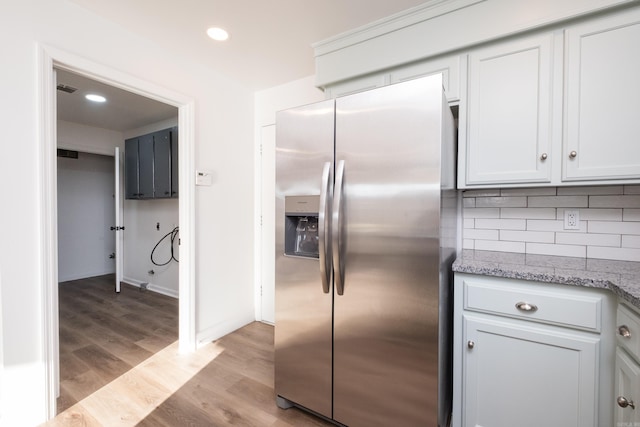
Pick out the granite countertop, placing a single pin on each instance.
(621, 277)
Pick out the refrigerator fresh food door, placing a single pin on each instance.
(303, 333)
(386, 255)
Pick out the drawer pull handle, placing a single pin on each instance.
(525, 306)
(471, 344)
(623, 402)
(624, 331)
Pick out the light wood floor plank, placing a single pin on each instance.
(120, 366)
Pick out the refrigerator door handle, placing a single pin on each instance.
(337, 237)
(324, 228)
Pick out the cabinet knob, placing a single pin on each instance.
(623, 402)
(471, 344)
(544, 157)
(573, 154)
(624, 331)
(525, 306)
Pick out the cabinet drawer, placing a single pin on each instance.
(629, 331)
(560, 305)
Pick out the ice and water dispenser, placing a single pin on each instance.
(301, 226)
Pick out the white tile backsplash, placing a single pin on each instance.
(529, 213)
(588, 239)
(632, 189)
(553, 225)
(543, 191)
(501, 224)
(532, 221)
(595, 214)
(478, 234)
(481, 212)
(527, 236)
(500, 246)
(555, 249)
(631, 215)
(590, 191)
(631, 242)
(629, 227)
(620, 254)
(558, 202)
(631, 201)
(499, 202)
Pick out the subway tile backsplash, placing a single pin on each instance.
(532, 221)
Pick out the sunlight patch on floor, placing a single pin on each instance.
(128, 399)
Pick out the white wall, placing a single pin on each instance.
(267, 103)
(86, 210)
(224, 145)
(292, 94)
(88, 139)
(141, 235)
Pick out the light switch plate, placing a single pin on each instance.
(204, 178)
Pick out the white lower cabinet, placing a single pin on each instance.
(530, 354)
(516, 375)
(627, 374)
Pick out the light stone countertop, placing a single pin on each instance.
(621, 277)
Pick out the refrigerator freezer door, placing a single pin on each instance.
(303, 333)
(386, 320)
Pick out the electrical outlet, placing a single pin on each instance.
(571, 220)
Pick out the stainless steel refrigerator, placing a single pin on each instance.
(365, 237)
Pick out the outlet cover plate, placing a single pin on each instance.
(571, 219)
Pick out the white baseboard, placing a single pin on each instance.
(77, 276)
(221, 329)
(151, 287)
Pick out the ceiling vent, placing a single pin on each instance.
(66, 88)
(70, 154)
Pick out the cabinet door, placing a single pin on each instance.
(603, 92)
(508, 120)
(131, 168)
(518, 375)
(162, 164)
(145, 167)
(627, 387)
(449, 67)
(174, 162)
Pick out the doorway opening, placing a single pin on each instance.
(105, 240)
(51, 60)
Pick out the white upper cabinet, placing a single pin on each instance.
(548, 95)
(448, 66)
(560, 108)
(602, 128)
(508, 133)
(361, 84)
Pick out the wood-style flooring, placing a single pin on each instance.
(120, 366)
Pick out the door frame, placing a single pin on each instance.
(50, 58)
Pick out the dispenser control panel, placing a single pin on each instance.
(301, 226)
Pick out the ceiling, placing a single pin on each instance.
(270, 41)
(270, 44)
(121, 112)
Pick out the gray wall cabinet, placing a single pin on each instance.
(151, 165)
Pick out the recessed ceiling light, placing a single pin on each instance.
(218, 34)
(95, 98)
